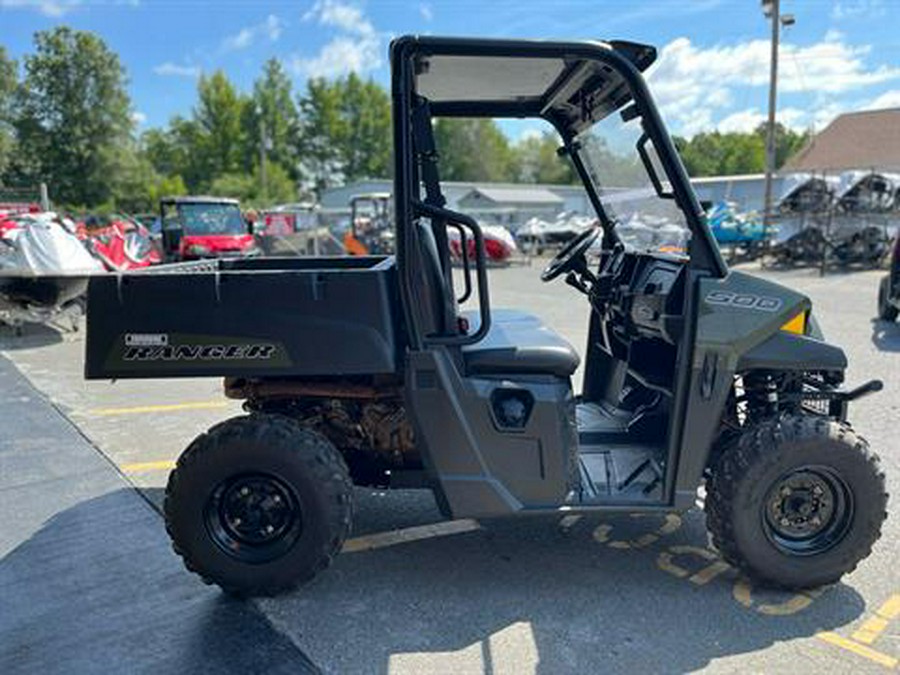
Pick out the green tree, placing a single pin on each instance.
(717, 154)
(72, 115)
(473, 150)
(246, 187)
(366, 143)
(168, 186)
(218, 115)
(235, 185)
(162, 150)
(8, 83)
(700, 154)
(179, 150)
(345, 132)
(272, 114)
(787, 142)
(536, 161)
(320, 135)
(131, 181)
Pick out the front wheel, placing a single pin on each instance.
(796, 502)
(258, 505)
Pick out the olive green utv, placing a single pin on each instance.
(370, 371)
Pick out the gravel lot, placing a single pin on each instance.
(601, 594)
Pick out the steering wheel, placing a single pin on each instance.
(569, 256)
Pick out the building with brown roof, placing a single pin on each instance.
(860, 140)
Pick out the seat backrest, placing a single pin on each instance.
(432, 269)
(433, 296)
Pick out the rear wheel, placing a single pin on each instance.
(796, 502)
(886, 311)
(258, 505)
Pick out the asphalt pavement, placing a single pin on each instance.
(410, 593)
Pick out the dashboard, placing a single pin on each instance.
(640, 300)
(643, 295)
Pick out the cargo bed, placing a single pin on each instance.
(245, 317)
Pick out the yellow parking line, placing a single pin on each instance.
(861, 650)
(141, 467)
(168, 407)
(873, 627)
(408, 534)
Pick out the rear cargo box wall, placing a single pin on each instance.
(277, 323)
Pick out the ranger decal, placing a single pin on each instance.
(237, 352)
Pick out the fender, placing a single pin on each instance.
(787, 351)
(738, 322)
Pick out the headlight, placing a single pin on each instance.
(797, 325)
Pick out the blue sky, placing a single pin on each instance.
(841, 55)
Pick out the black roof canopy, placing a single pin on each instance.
(569, 84)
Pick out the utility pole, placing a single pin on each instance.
(772, 11)
(263, 142)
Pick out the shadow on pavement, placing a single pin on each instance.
(376, 510)
(523, 594)
(98, 589)
(886, 335)
(33, 335)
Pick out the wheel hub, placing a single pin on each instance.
(802, 505)
(807, 511)
(253, 517)
(256, 510)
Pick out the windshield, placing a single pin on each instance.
(200, 219)
(371, 208)
(643, 220)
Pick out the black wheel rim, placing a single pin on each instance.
(807, 511)
(253, 517)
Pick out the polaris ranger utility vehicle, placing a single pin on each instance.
(365, 370)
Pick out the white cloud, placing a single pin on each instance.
(175, 70)
(426, 12)
(356, 48)
(889, 99)
(138, 118)
(827, 66)
(51, 8)
(852, 9)
(741, 121)
(241, 40)
(56, 8)
(346, 17)
(744, 121)
(270, 30)
(340, 56)
(695, 85)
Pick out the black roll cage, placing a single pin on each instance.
(626, 59)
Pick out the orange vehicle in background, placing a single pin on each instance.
(371, 225)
